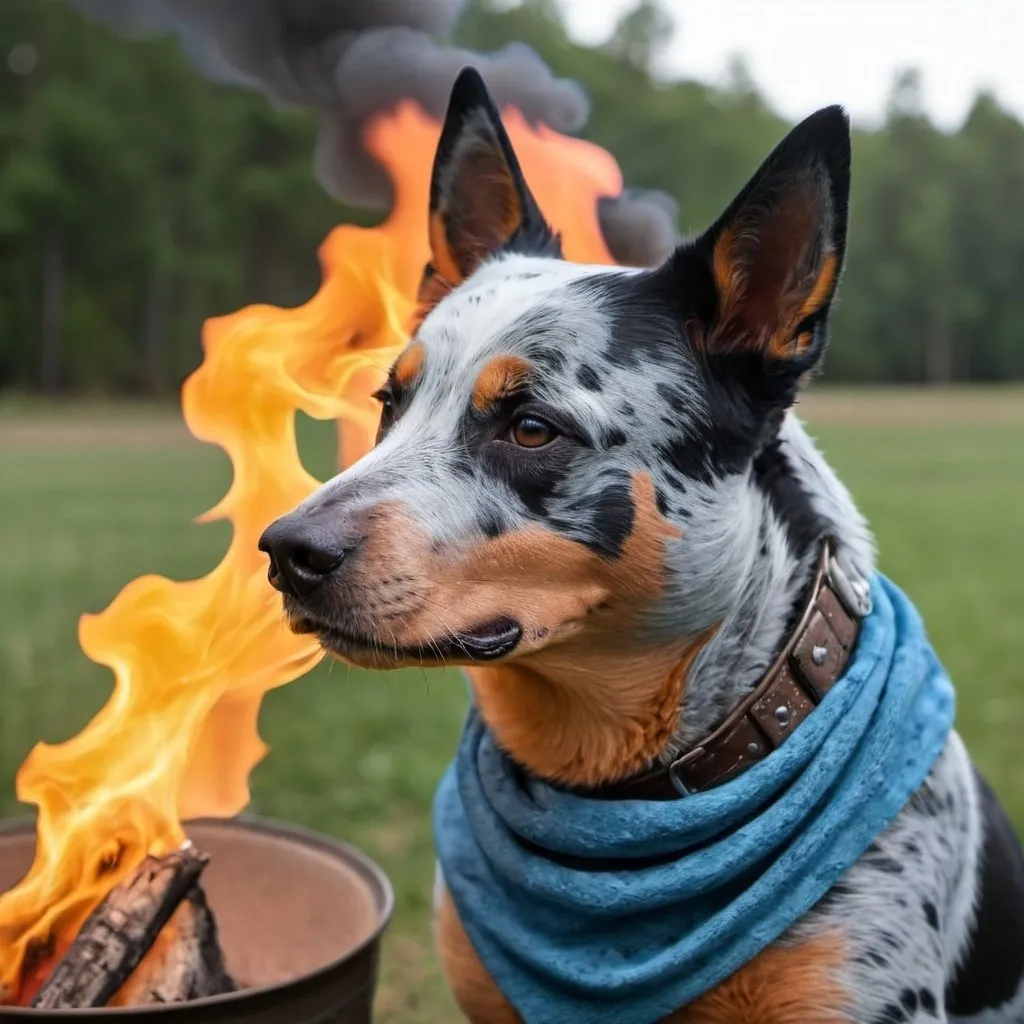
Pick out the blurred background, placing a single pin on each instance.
(145, 187)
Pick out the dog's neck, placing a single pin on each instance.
(778, 570)
(589, 712)
(595, 710)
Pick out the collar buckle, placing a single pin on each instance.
(678, 782)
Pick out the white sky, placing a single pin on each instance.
(804, 54)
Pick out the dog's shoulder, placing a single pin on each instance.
(933, 913)
(905, 907)
(474, 989)
(884, 944)
(787, 983)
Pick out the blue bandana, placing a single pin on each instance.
(738, 864)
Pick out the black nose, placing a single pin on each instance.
(302, 554)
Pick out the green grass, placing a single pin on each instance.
(91, 497)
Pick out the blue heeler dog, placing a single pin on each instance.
(708, 773)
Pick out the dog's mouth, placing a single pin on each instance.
(487, 642)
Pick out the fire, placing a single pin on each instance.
(191, 660)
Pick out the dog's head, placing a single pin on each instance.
(567, 453)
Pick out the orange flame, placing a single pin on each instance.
(191, 660)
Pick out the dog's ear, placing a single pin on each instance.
(758, 285)
(479, 201)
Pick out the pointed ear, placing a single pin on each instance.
(479, 201)
(761, 281)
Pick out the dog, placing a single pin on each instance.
(590, 489)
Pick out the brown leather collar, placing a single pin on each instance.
(804, 671)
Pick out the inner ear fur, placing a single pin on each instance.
(764, 276)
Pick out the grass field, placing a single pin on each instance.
(91, 497)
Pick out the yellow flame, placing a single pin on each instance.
(192, 660)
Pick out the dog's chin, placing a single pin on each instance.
(490, 641)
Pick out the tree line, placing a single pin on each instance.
(137, 198)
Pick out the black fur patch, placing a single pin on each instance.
(588, 377)
(671, 397)
(490, 524)
(613, 519)
(608, 517)
(908, 1000)
(994, 968)
(548, 358)
(688, 458)
(926, 801)
(643, 329)
(774, 476)
(539, 331)
(532, 475)
(891, 1014)
(889, 865)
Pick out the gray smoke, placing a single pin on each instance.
(348, 59)
(639, 226)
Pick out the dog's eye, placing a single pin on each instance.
(387, 404)
(532, 432)
(387, 411)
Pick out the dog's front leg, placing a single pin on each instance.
(478, 996)
(788, 983)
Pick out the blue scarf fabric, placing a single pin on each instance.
(718, 876)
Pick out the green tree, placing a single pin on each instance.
(137, 199)
(641, 35)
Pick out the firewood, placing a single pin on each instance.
(117, 935)
(185, 961)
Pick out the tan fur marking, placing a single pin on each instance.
(769, 279)
(409, 364)
(478, 996)
(783, 985)
(783, 343)
(560, 735)
(498, 379)
(822, 287)
(728, 273)
(443, 258)
(596, 705)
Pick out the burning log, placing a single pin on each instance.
(185, 961)
(152, 940)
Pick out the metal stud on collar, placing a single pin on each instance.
(854, 593)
